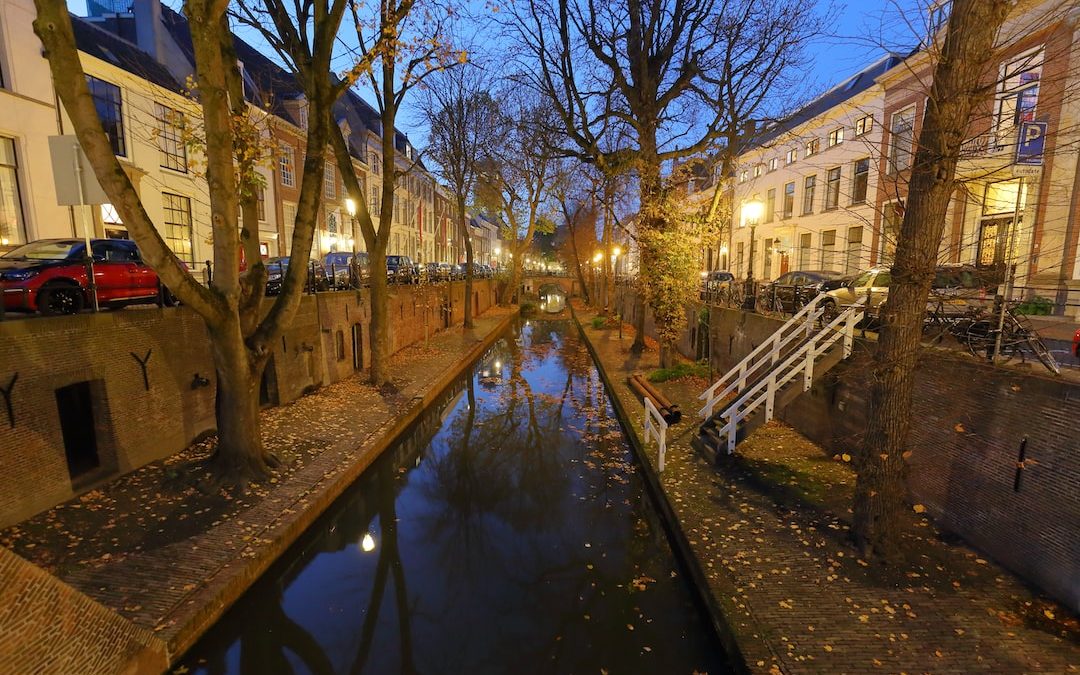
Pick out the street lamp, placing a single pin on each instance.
(751, 215)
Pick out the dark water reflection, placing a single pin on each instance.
(508, 534)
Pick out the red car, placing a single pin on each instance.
(1076, 343)
(49, 276)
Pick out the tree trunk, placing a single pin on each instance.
(515, 280)
(468, 262)
(240, 454)
(379, 329)
(638, 345)
(880, 488)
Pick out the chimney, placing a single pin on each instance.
(148, 28)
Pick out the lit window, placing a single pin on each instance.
(772, 164)
(287, 166)
(832, 189)
(329, 181)
(808, 194)
(11, 215)
(812, 147)
(864, 125)
(836, 137)
(177, 211)
(789, 200)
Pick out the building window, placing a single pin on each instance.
(770, 205)
(864, 125)
(859, 180)
(854, 250)
(901, 140)
(303, 116)
(329, 181)
(170, 138)
(804, 250)
(836, 137)
(260, 204)
(772, 164)
(832, 189)
(742, 176)
(766, 260)
(892, 218)
(812, 147)
(178, 225)
(11, 215)
(758, 170)
(828, 250)
(373, 205)
(808, 194)
(792, 155)
(376, 165)
(1018, 93)
(287, 166)
(789, 200)
(110, 110)
(739, 257)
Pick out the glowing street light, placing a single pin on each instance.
(751, 215)
(598, 257)
(350, 206)
(367, 543)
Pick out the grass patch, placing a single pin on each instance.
(598, 322)
(679, 370)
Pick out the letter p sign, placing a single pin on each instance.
(1030, 142)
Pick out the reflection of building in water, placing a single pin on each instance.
(552, 298)
(489, 368)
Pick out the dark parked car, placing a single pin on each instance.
(438, 271)
(795, 289)
(277, 267)
(49, 276)
(399, 269)
(342, 273)
(457, 271)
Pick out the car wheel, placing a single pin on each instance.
(165, 297)
(56, 299)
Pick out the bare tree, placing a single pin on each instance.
(462, 120)
(636, 84)
(958, 75)
(240, 333)
(519, 174)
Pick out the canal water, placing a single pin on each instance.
(507, 533)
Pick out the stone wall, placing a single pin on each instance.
(136, 421)
(969, 423)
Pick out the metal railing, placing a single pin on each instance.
(656, 427)
(801, 361)
(768, 352)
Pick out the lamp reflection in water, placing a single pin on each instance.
(367, 543)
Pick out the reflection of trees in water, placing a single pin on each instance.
(501, 493)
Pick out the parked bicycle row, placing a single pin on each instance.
(50, 276)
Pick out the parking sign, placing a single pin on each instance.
(1030, 142)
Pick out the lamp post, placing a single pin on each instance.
(354, 266)
(751, 215)
(597, 257)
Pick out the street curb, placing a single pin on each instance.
(230, 582)
(676, 536)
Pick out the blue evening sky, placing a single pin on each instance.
(858, 34)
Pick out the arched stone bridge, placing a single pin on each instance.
(536, 284)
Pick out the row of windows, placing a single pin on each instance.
(827, 256)
(109, 103)
(812, 147)
(859, 183)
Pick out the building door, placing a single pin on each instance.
(76, 408)
(358, 346)
(993, 233)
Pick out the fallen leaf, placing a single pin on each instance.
(918, 508)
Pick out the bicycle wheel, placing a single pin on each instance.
(1042, 353)
(979, 338)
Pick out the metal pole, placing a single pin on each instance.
(1010, 270)
(750, 300)
(91, 282)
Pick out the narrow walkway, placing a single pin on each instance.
(156, 549)
(769, 529)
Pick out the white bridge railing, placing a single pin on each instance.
(656, 427)
(801, 325)
(801, 361)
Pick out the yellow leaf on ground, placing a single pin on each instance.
(1048, 613)
(959, 428)
(846, 457)
(919, 508)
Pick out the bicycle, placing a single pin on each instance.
(979, 332)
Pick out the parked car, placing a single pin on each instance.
(438, 271)
(49, 276)
(342, 273)
(277, 267)
(955, 289)
(795, 289)
(419, 273)
(457, 271)
(399, 269)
